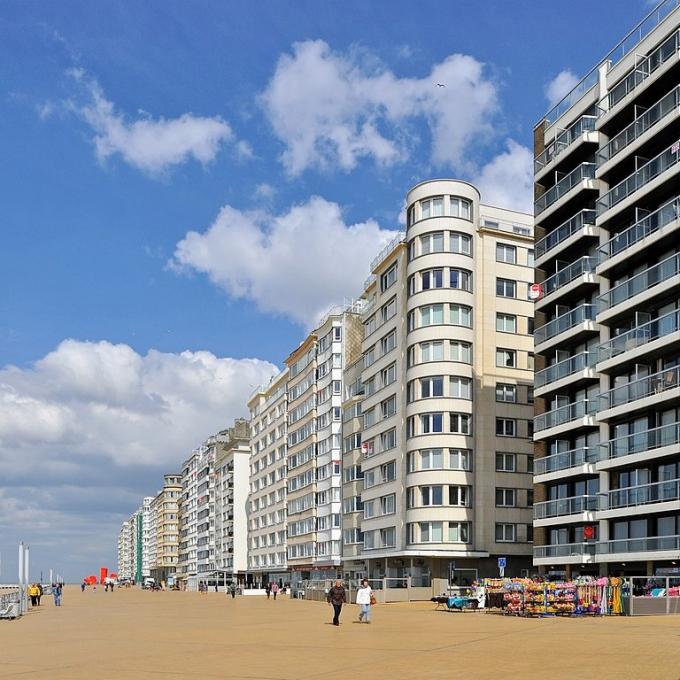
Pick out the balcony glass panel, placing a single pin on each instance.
(565, 550)
(564, 186)
(583, 265)
(566, 506)
(643, 281)
(631, 545)
(564, 322)
(566, 459)
(564, 140)
(639, 389)
(564, 231)
(665, 160)
(564, 368)
(565, 414)
(644, 494)
(664, 215)
(638, 442)
(640, 125)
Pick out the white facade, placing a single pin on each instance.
(125, 551)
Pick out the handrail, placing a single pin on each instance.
(564, 231)
(564, 460)
(584, 265)
(564, 550)
(564, 140)
(566, 506)
(398, 238)
(562, 323)
(565, 414)
(637, 442)
(564, 368)
(641, 388)
(564, 186)
(643, 494)
(644, 544)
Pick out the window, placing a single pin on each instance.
(460, 388)
(432, 314)
(431, 351)
(506, 253)
(431, 459)
(530, 429)
(432, 207)
(388, 440)
(530, 258)
(461, 315)
(387, 505)
(530, 497)
(505, 533)
(530, 464)
(388, 375)
(530, 325)
(459, 278)
(431, 422)
(530, 395)
(460, 243)
(461, 351)
(388, 407)
(506, 288)
(388, 278)
(432, 387)
(432, 243)
(530, 361)
(459, 532)
(431, 495)
(506, 498)
(530, 533)
(506, 393)
(431, 532)
(432, 279)
(460, 459)
(388, 343)
(506, 323)
(459, 207)
(369, 418)
(460, 423)
(369, 326)
(388, 310)
(506, 462)
(506, 427)
(506, 358)
(459, 495)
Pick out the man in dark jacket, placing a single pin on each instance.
(336, 596)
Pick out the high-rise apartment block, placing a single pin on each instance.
(607, 338)
(164, 533)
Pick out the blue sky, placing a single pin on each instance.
(259, 127)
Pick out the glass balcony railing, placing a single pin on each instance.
(643, 281)
(564, 141)
(645, 494)
(649, 171)
(638, 442)
(564, 231)
(564, 460)
(562, 323)
(566, 506)
(667, 104)
(667, 213)
(640, 335)
(565, 550)
(640, 389)
(564, 186)
(644, 69)
(634, 545)
(564, 368)
(584, 265)
(565, 414)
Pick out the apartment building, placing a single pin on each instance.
(186, 563)
(232, 469)
(164, 544)
(205, 509)
(314, 444)
(607, 426)
(267, 560)
(125, 551)
(447, 403)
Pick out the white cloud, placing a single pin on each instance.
(507, 180)
(560, 86)
(296, 264)
(265, 191)
(334, 109)
(152, 145)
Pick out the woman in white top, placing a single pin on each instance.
(364, 598)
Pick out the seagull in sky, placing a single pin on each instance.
(441, 85)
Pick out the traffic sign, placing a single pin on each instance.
(535, 291)
(502, 562)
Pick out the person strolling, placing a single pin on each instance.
(56, 592)
(268, 589)
(365, 599)
(336, 597)
(33, 594)
(40, 592)
(275, 589)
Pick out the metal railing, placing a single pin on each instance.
(562, 323)
(564, 231)
(644, 175)
(584, 265)
(639, 389)
(566, 506)
(667, 104)
(640, 335)
(641, 282)
(564, 368)
(565, 550)
(565, 414)
(644, 494)
(564, 140)
(646, 544)
(566, 459)
(398, 238)
(667, 213)
(639, 442)
(564, 186)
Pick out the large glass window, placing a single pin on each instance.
(433, 278)
(432, 243)
(432, 351)
(459, 207)
(506, 288)
(460, 279)
(432, 387)
(461, 315)
(506, 253)
(431, 315)
(506, 323)
(460, 243)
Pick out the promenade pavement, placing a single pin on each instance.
(140, 635)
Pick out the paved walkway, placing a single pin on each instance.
(135, 635)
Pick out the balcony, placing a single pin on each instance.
(639, 545)
(564, 231)
(637, 180)
(651, 385)
(566, 460)
(563, 369)
(641, 442)
(581, 172)
(561, 507)
(580, 550)
(649, 224)
(640, 335)
(645, 494)
(564, 322)
(584, 265)
(642, 282)
(563, 141)
(565, 414)
(645, 121)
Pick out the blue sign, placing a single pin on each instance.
(502, 562)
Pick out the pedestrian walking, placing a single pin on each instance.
(82, 586)
(232, 590)
(268, 589)
(365, 599)
(56, 592)
(275, 589)
(336, 597)
(40, 592)
(33, 594)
